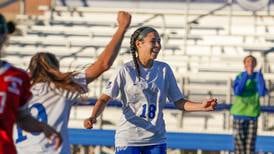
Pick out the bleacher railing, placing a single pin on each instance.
(186, 141)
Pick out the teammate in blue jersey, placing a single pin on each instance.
(144, 85)
(55, 92)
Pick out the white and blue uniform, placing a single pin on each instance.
(52, 106)
(143, 101)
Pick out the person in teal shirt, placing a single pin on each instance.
(248, 87)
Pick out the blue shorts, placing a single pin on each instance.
(151, 149)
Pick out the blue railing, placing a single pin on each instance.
(186, 141)
(220, 106)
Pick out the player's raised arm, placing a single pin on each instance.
(107, 57)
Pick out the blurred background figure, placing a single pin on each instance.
(248, 87)
(14, 95)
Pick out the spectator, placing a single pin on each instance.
(248, 87)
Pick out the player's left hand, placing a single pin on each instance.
(209, 105)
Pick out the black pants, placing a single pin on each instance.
(83, 1)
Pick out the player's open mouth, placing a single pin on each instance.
(155, 51)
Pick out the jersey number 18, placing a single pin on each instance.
(151, 111)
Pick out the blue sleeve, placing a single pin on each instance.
(261, 84)
(239, 83)
(173, 92)
(112, 88)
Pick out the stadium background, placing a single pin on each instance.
(203, 41)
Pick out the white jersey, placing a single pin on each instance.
(52, 106)
(143, 102)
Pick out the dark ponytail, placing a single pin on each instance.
(139, 34)
(133, 50)
(3, 25)
(6, 27)
(11, 27)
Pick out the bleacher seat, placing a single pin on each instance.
(205, 57)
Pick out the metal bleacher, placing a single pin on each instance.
(74, 35)
(205, 56)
